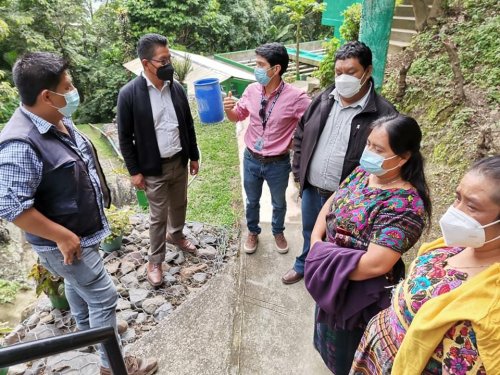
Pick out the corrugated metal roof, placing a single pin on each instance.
(203, 67)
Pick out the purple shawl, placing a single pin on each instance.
(342, 303)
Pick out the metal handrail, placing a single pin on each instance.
(29, 351)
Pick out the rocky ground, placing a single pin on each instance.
(140, 305)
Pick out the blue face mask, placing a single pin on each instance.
(72, 101)
(372, 162)
(261, 76)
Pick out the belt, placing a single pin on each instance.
(322, 192)
(171, 158)
(268, 159)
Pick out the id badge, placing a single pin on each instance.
(259, 144)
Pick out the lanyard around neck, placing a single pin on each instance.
(263, 103)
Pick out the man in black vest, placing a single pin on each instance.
(331, 137)
(157, 139)
(53, 188)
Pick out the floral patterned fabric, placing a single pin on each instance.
(388, 217)
(393, 218)
(429, 277)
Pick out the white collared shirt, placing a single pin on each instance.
(165, 119)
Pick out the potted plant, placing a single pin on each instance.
(182, 67)
(51, 285)
(119, 223)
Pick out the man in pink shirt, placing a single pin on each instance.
(274, 108)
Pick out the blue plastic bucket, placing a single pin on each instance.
(209, 99)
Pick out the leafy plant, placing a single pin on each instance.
(182, 67)
(352, 18)
(46, 282)
(326, 71)
(8, 290)
(297, 11)
(119, 221)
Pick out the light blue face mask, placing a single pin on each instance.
(372, 162)
(72, 101)
(261, 75)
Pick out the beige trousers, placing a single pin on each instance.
(167, 196)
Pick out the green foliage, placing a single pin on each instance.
(8, 100)
(297, 11)
(45, 281)
(326, 70)
(119, 221)
(97, 41)
(352, 18)
(203, 26)
(8, 290)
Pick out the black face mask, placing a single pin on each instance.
(165, 72)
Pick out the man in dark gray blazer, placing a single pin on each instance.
(157, 139)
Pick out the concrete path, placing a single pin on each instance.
(244, 321)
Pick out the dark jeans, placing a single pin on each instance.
(312, 202)
(276, 175)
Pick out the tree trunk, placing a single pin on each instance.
(436, 11)
(297, 46)
(451, 50)
(403, 72)
(421, 12)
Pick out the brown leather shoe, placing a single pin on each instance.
(183, 243)
(155, 274)
(291, 277)
(280, 243)
(250, 245)
(136, 366)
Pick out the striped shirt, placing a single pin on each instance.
(21, 171)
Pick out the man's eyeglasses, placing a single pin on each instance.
(162, 61)
(262, 111)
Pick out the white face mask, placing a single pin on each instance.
(348, 86)
(459, 229)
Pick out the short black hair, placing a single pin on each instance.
(148, 43)
(275, 54)
(355, 49)
(37, 71)
(489, 167)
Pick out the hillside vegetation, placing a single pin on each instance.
(457, 106)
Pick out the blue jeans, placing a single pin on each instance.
(312, 202)
(276, 175)
(89, 289)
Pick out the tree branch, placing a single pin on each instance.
(451, 50)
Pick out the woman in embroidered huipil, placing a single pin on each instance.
(444, 317)
(377, 214)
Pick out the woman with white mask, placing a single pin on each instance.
(377, 214)
(444, 317)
